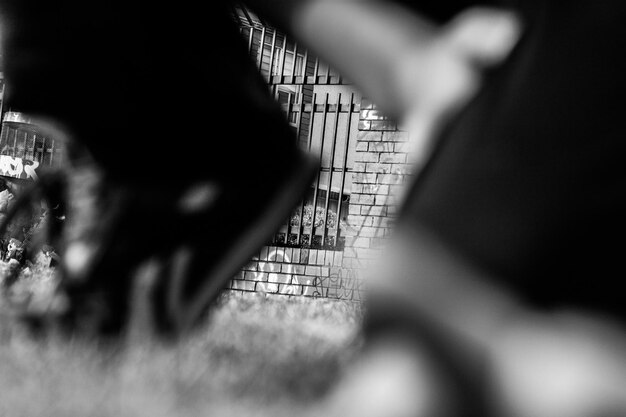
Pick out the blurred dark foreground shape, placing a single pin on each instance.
(134, 187)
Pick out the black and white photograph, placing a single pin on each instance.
(312, 208)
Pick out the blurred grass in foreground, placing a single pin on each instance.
(256, 356)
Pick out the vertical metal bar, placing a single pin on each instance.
(299, 118)
(288, 116)
(259, 58)
(332, 163)
(25, 143)
(1, 102)
(309, 141)
(41, 148)
(250, 38)
(31, 153)
(282, 64)
(15, 147)
(311, 120)
(23, 154)
(271, 67)
(9, 136)
(295, 60)
(15, 141)
(52, 150)
(317, 180)
(305, 62)
(316, 70)
(289, 103)
(327, 74)
(344, 168)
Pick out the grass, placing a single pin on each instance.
(256, 356)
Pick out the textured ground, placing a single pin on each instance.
(257, 356)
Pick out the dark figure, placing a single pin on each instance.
(172, 136)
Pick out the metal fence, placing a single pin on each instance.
(279, 58)
(324, 112)
(24, 148)
(320, 219)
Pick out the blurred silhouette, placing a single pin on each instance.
(500, 293)
(138, 94)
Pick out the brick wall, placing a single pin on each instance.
(299, 272)
(379, 171)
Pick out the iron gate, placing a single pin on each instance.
(324, 112)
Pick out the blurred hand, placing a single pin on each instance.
(443, 75)
(568, 365)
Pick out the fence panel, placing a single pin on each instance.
(320, 219)
(24, 148)
(324, 114)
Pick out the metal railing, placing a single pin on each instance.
(24, 148)
(320, 219)
(324, 114)
(281, 60)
